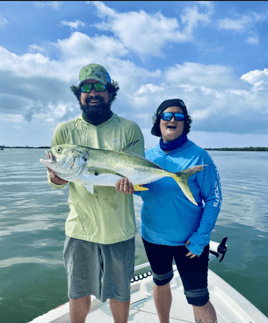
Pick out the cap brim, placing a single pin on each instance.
(93, 78)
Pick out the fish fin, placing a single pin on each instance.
(182, 177)
(90, 188)
(186, 173)
(140, 188)
(129, 148)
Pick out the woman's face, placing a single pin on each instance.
(172, 129)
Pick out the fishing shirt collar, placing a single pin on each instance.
(99, 119)
(174, 144)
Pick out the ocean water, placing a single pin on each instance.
(32, 217)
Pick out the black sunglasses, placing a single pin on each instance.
(87, 88)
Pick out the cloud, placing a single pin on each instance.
(244, 24)
(81, 46)
(36, 98)
(36, 87)
(3, 21)
(73, 24)
(36, 48)
(218, 100)
(253, 40)
(235, 25)
(147, 34)
(53, 4)
(192, 18)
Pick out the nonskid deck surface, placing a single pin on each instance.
(231, 307)
(142, 309)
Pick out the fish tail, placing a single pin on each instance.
(140, 188)
(182, 177)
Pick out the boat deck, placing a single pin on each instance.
(231, 307)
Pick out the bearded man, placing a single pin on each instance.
(100, 229)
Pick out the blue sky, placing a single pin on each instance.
(212, 55)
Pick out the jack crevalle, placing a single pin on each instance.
(91, 166)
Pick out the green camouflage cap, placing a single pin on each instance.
(94, 72)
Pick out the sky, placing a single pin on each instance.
(210, 54)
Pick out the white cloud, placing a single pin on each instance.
(151, 88)
(44, 83)
(147, 34)
(216, 98)
(192, 18)
(235, 24)
(81, 46)
(255, 76)
(36, 48)
(17, 118)
(259, 80)
(244, 24)
(213, 76)
(53, 4)
(3, 21)
(73, 24)
(253, 40)
(214, 95)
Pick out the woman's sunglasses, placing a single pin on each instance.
(99, 87)
(167, 116)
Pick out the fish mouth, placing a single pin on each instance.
(51, 159)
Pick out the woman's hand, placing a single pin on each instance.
(124, 186)
(190, 254)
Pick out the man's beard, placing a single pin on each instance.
(96, 114)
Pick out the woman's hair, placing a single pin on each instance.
(112, 88)
(187, 123)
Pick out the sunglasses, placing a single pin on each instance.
(87, 88)
(167, 116)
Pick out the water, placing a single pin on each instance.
(32, 217)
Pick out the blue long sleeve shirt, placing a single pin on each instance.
(167, 216)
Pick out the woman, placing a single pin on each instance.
(171, 226)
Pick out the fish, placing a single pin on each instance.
(100, 167)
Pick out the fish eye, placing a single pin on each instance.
(59, 150)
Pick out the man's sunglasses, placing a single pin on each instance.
(99, 87)
(167, 116)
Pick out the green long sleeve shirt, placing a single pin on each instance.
(107, 216)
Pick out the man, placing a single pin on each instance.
(100, 229)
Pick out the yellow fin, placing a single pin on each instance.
(182, 177)
(140, 188)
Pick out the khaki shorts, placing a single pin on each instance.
(101, 270)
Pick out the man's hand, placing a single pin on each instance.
(55, 179)
(190, 254)
(124, 186)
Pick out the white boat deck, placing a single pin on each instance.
(231, 307)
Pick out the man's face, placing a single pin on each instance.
(95, 104)
(94, 98)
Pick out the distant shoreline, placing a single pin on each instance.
(22, 147)
(240, 149)
(219, 149)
